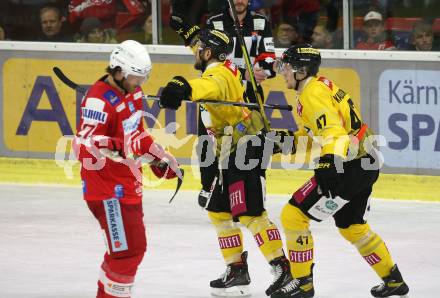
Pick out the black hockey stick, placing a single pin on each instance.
(59, 73)
(247, 60)
(179, 184)
(230, 103)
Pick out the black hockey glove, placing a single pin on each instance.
(204, 198)
(175, 91)
(327, 177)
(186, 31)
(286, 138)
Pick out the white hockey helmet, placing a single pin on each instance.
(132, 58)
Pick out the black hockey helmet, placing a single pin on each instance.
(220, 43)
(299, 56)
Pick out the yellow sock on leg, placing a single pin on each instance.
(230, 237)
(266, 235)
(371, 247)
(299, 240)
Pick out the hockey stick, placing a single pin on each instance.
(59, 73)
(247, 60)
(179, 184)
(83, 90)
(230, 103)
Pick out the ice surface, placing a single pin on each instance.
(51, 247)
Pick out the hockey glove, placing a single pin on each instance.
(162, 163)
(266, 61)
(204, 198)
(185, 30)
(284, 138)
(110, 147)
(166, 167)
(327, 177)
(175, 91)
(259, 74)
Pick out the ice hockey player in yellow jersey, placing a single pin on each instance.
(238, 193)
(343, 180)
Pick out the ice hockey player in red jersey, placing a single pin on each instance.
(110, 144)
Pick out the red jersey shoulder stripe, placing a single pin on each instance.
(326, 82)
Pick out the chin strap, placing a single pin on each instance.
(298, 80)
(204, 64)
(119, 83)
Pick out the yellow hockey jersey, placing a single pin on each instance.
(329, 116)
(222, 81)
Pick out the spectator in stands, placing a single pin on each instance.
(374, 29)
(148, 30)
(422, 37)
(305, 12)
(105, 11)
(117, 14)
(2, 33)
(286, 35)
(322, 38)
(51, 22)
(92, 32)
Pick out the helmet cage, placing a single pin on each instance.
(301, 58)
(280, 66)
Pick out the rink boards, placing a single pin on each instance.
(280, 182)
(398, 92)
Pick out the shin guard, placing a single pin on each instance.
(371, 247)
(230, 238)
(299, 240)
(266, 235)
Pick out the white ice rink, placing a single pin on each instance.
(51, 247)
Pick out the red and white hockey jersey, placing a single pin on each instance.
(107, 112)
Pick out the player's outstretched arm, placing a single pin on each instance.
(175, 91)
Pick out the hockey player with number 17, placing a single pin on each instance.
(110, 143)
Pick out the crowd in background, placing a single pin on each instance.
(376, 25)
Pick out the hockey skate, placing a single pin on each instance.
(234, 282)
(393, 285)
(281, 272)
(297, 288)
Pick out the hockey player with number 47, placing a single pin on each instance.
(111, 145)
(343, 180)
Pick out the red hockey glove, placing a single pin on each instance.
(259, 74)
(115, 145)
(165, 167)
(140, 143)
(162, 163)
